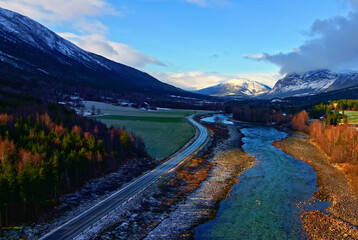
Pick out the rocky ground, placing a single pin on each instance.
(334, 187)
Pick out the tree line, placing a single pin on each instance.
(339, 142)
(261, 115)
(47, 152)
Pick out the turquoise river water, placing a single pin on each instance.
(268, 200)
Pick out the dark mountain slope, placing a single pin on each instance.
(32, 54)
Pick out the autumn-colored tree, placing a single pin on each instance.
(339, 142)
(41, 158)
(299, 122)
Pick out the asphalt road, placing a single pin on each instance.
(75, 226)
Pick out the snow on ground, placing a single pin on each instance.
(109, 108)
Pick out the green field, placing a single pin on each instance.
(163, 131)
(352, 116)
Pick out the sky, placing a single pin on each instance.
(198, 43)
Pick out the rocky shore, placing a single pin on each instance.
(342, 221)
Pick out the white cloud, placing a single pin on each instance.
(254, 56)
(333, 45)
(201, 3)
(118, 52)
(59, 10)
(205, 3)
(269, 78)
(198, 80)
(83, 15)
(79, 14)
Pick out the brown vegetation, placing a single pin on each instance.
(191, 175)
(339, 142)
(299, 122)
(327, 227)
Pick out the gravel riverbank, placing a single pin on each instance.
(200, 206)
(335, 188)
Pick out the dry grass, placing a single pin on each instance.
(351, 172)
(193, 173)
(335, 187)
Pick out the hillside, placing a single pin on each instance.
(43, 63)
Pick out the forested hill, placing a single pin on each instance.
(46, 150)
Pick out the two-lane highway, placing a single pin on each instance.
(75, 226)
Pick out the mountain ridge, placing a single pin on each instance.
(32, 54)
(236, 87)
(311, 83)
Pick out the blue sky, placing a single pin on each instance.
(190, 43)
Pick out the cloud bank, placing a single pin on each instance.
(333, 44)
(115, 51)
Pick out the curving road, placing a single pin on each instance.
(75, 226)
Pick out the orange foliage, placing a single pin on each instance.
(5, 118)
(26, 156)
(6, 148)
(76, 129)
(60, 130)
(184, 174)
(351, 170)
(86, 135)
(88, 155)
(45, 119)
(299, 121)
(339, 142)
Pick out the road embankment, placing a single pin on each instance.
(228, 161)
(334, 187)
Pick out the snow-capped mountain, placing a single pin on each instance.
(30, 53)
(236, 87)
(310, 83)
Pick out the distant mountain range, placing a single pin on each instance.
(292, 85)
(236, 88)
(312, 83)
(33, 58)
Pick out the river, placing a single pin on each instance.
(268, 200)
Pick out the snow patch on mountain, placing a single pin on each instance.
(236, 87)
(35, 34)
(312, 83)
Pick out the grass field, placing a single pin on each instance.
(163, 131)
(352, 116)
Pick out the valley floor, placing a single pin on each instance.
(200, 206)
(173, 206)
(342, 220)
